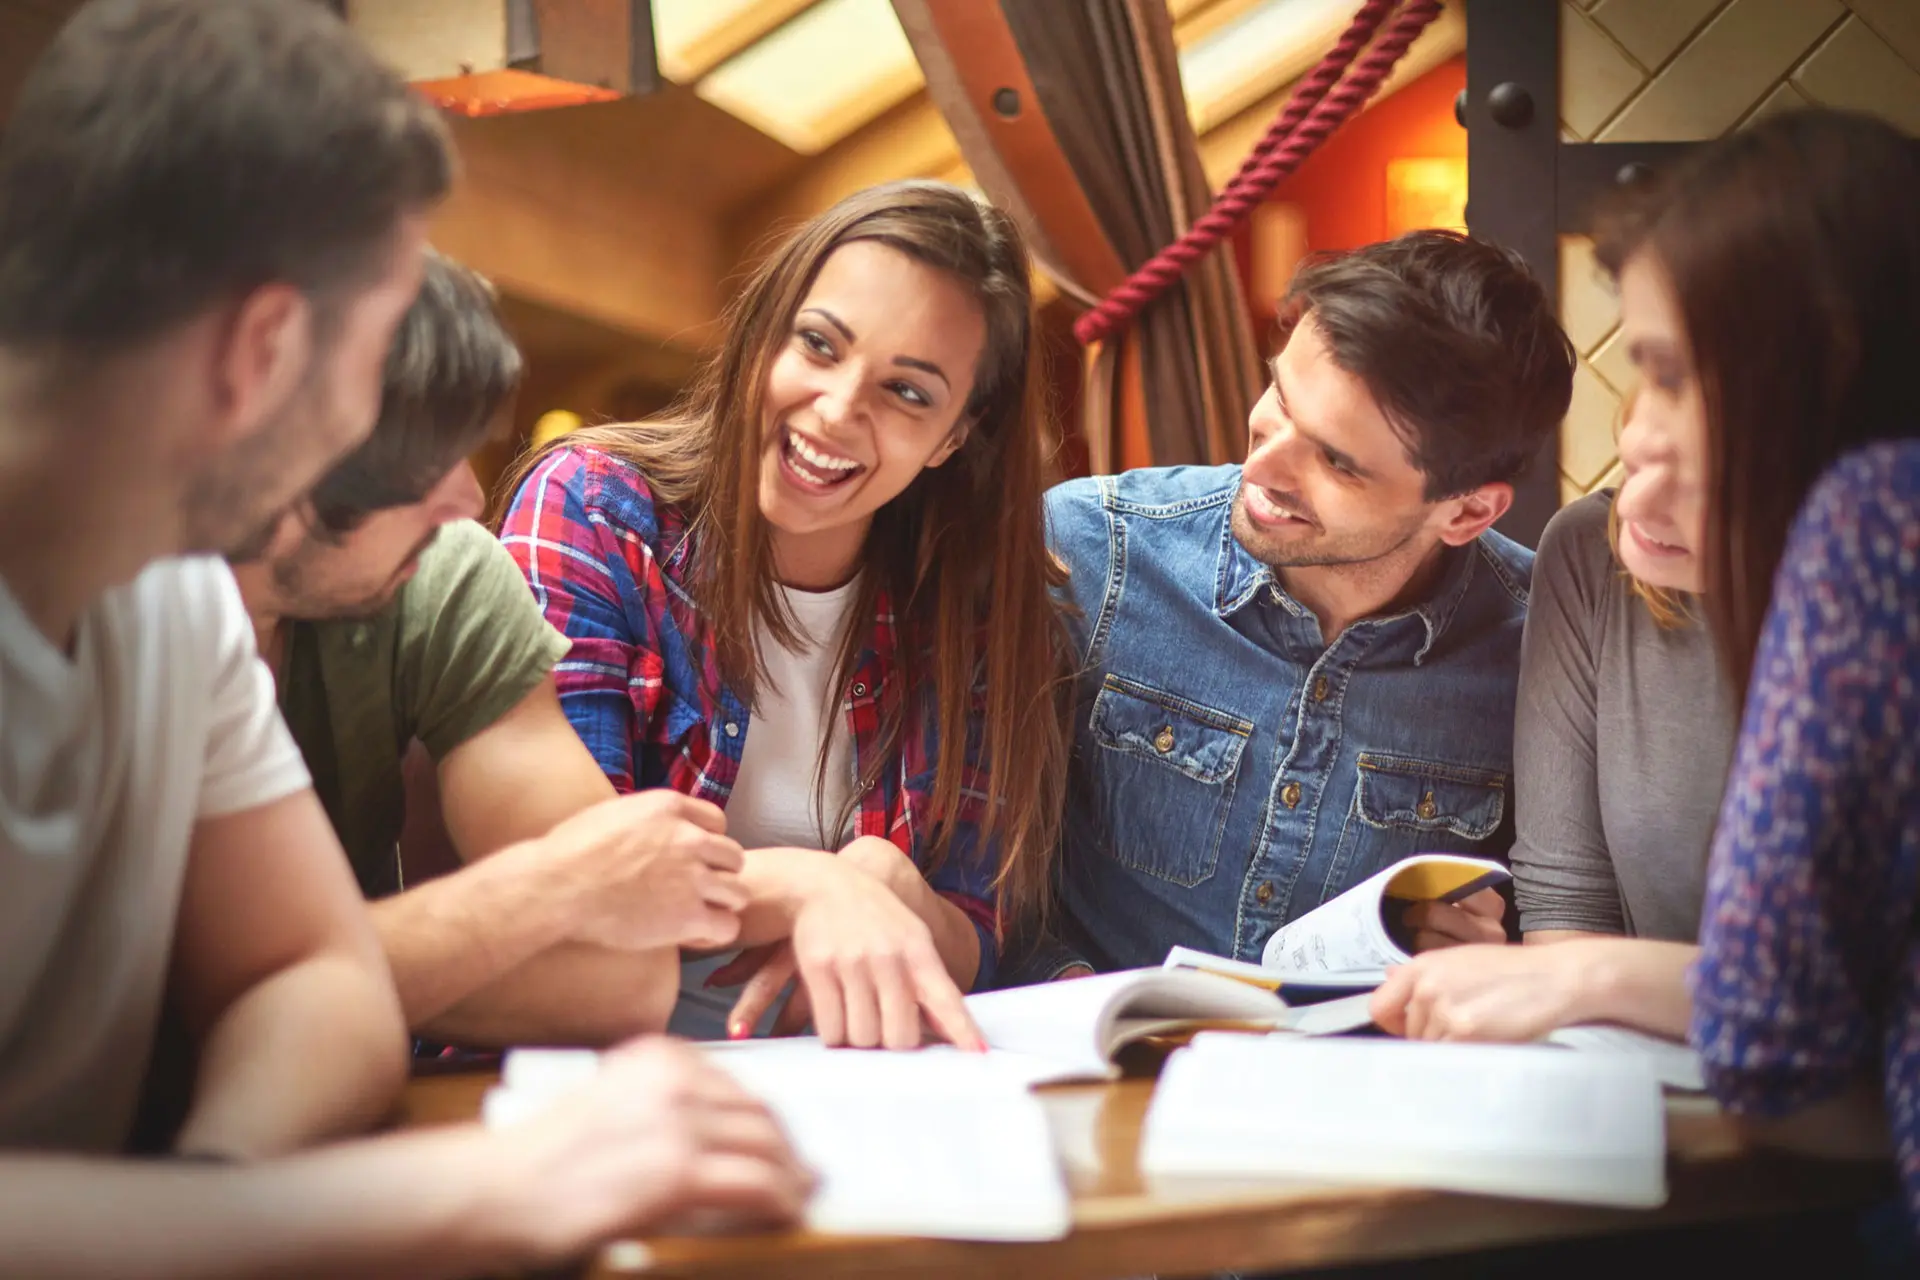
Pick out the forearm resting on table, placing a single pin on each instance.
(399, 1206)
(572, 994)
(312, 1052)
(1636, 982)
(461, 933)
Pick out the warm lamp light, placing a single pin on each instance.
(553, 424)
(1426, 193)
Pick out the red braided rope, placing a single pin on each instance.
(1313, 88)
(1274, 159)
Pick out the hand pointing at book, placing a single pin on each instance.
(865, 962)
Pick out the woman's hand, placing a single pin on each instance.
(1475, 918)
(867, 966)
(1511, 994)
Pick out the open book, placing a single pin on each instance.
(1523, 1121)
(1346, 945)
(1078, 1025)
(925, 1144)
(1361, 928)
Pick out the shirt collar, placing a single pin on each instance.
(1242, 578)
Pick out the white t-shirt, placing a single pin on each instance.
(162, 715)
(774, 799)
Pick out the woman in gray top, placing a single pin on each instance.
(1623, 732)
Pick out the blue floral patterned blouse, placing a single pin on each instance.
(1809, 973)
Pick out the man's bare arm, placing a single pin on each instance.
(535, 940)
(281, 978)
(659, 1134)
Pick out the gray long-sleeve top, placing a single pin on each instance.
(1622, 738)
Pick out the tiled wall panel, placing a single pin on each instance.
(1681, 70)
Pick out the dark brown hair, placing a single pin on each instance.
(1794, 250)
(1456, 342)
(167, 155)
(962, 552)
(451, 369)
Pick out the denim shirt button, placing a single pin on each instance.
(1320, 689)
(1290, 794)
(1426, 808)
(1264, 894)
(1163, 741)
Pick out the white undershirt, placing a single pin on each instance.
(775, 802)
(796, 708)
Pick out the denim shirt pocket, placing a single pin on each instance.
(1399, 793)
(1169, 770)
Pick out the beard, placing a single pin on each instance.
(318, 580)
(236, 503)
(1316, 546)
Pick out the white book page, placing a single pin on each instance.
(934, 1142)
(925, 1144)
(1524, 1121)
(1331, 1017)
(1343, 934)
(1674, 1064)
(1075, 1023)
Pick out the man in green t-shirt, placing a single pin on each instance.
(389, 617)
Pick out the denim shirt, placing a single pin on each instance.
(1231, 770)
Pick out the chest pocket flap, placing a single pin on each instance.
(1422, 795)
(1198, 741)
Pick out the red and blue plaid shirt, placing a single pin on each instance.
(642, 684)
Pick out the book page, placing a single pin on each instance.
(1526, 1121)
(1318, 985)
(932, 1142)
(914, 1143)
(1346, 933)
(1674, 1064)
(1350, 932)
(1076, 1022)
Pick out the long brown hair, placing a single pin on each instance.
(962, 552)
(1794, 250)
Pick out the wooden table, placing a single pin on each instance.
(1123, 1227)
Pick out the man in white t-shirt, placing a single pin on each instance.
(210, 223)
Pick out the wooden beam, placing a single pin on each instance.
(599, 42)
(911, 141)
(582, 237)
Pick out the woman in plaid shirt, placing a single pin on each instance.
(816, 594)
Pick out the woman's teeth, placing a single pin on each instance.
(815, 464)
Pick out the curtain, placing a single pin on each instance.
(1072, 117)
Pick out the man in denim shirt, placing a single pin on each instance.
(1301, 671)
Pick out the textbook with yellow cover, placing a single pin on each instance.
(1348, 943)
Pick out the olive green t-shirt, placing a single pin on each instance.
(460, 645)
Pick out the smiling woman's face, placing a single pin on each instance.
(1662, 504)
(868, 389)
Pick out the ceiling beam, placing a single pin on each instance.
(581, 238)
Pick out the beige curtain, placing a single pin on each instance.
(1072, 117)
